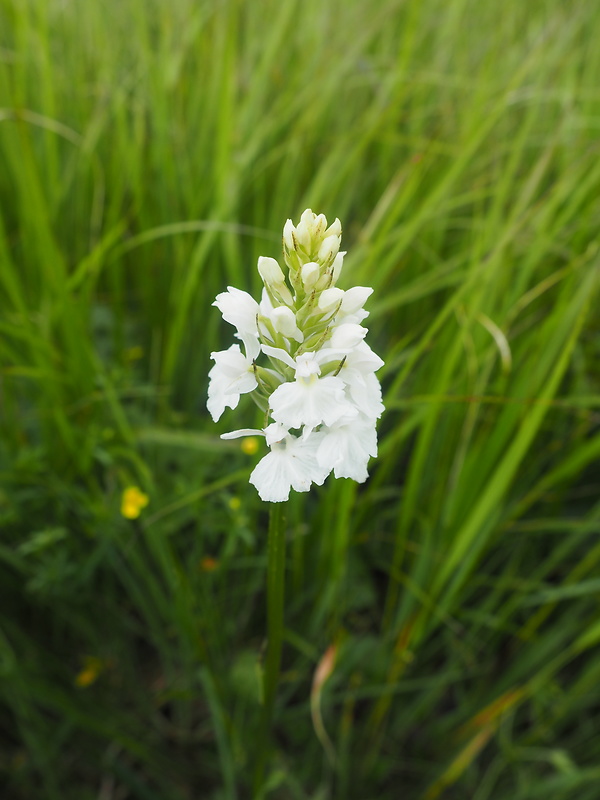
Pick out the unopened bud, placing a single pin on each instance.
(335, 229)
(308, 218)
(337, 266)
(284, 321)
(318, 227)
(274, 280)
(329, 249)
(303, 236)
(310, 274)
(330, 298)
(270, 271)
(288, 235)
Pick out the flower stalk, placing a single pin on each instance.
(275, 626)
(317, 388)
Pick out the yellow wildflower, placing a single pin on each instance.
(249, 445)
(133, 501)
(92, 668)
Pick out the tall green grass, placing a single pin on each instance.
(149, 152)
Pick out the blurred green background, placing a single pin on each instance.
(149, 152)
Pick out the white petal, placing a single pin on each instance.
(219, 398)
(270, 478)
(346, 448)
(231, 376)
(309, 402)
(291, 464)
(239, 309)
(275, 432)
(251, 345)
(307, 364)
(346, 337)
(242, 432)
(279, 354)
(355, 298)
(366, 395)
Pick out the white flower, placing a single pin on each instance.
(231, 376)
(291, 464)
(309, 400)
(366, 396)
(346, 447)
(239, 309)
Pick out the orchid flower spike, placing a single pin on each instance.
(317, 381)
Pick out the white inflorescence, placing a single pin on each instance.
(318, 383)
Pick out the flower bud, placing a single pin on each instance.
(284, 321)
(274, 280)
(329, 249)
(335, 229)
(270, 271)
(337, 266)
(318, 228)
(303, 236)
(308, 218)
(288, 235)
(330, 298)
(310, 274)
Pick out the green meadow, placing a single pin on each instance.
(442, 620)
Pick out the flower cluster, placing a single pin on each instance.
(318, 385)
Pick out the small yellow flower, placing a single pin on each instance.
(88, 675)
(249, 445)
(235, 503)
(133, 501)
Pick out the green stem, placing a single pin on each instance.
(275, 611)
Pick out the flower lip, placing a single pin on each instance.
(307, 365)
